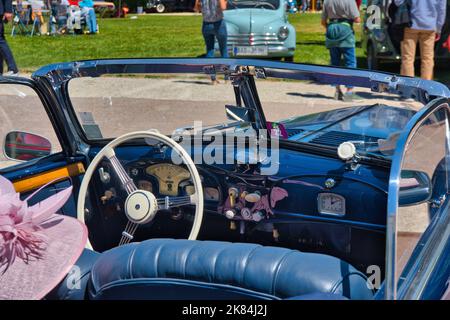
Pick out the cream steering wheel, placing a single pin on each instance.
(141, 206)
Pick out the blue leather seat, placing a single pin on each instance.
(183, 269)
(78, 283)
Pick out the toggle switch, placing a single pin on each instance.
(233, 193)
(105, 177)
(108, 195)
(275, 234)
(253, 197)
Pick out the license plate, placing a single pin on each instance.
(250, 51)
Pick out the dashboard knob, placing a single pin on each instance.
(258, 216)
(253, 197)
(346, 150)
(230, 214)
(104, 175)
(246, 214)
(232, 193)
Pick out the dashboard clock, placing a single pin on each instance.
(331, 204)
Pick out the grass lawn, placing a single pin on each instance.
(149, 36)
(160, 36)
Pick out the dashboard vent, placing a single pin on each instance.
(293, 132)
(335, 138)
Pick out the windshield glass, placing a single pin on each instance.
(112, 105)
(307, 112)
(298, 111)
(249, 4)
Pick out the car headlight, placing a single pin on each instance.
(283, 33)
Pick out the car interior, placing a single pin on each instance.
(164, 226)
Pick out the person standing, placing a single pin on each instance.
(87, 10)
(338, 17)
(5, 51)
(427, 20)
(214, 27)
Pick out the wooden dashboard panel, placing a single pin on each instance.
(37, 181)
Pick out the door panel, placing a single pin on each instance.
(31, 152)
(31, 178)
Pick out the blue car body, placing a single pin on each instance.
(367, 234)
(259, 30)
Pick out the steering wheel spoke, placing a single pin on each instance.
(167, 203)
(127, 183)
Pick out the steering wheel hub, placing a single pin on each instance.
(141, 206)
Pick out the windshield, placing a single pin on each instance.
(112, 105)
(249, 4)
(311, 113)
(299, 111)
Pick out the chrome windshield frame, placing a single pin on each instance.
(391, 276)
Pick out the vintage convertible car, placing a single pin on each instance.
(281, 192)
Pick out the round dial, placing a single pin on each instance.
(332, 204)
(211, 194)
(169, 177)
(145, 185)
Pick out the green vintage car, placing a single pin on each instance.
(380, 42)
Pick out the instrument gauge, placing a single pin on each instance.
(145, 185)
(331, 204)
(169, 177)
(211, 194)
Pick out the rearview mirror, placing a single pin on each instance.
(415, 188)
(24, 146)
(240, 114)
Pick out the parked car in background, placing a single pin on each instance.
(104, 8)
(380, 42)
(259, 28)
(161, 6)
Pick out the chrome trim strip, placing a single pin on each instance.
(393, 194)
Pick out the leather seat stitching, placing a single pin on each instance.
(187, 258)
(336, 285)
(130, 261)
(215, 261)
(275, 277)
(246, 263)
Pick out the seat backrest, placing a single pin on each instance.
(183, 269)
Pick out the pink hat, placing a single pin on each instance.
(37, 247)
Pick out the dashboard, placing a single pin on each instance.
(309, 205)
(166, 179)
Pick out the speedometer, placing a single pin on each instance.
(169, 177)
(331, 204)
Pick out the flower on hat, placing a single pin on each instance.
(20, 224)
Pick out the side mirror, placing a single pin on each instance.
(415, 188)
(240, 114)
(24, 146)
